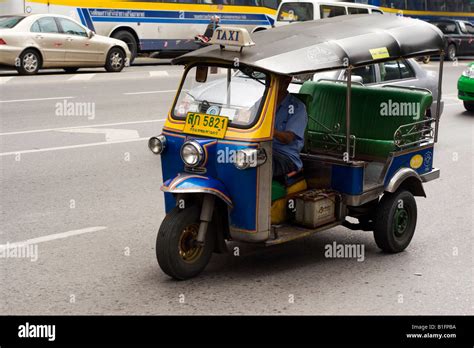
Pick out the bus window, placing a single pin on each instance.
(296, 12)
(357, 10)
(328, 11)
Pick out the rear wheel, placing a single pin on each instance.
(452, 52)
(469, 105)
(395, 221)
(130, 40)
(29, 62)
(177, 251)
(115, 60)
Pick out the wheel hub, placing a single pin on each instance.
(400, 221)
(30, 62)
(116, 60)
(189, 249)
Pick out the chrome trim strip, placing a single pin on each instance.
(433, 175)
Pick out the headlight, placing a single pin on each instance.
(157, 144)
(192, 153)
(250, 158)
(469, 72)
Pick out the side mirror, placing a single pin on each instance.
(201, 74)
(91, 34)
(357, 79)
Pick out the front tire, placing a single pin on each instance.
(395, 221)
(452, 52)
(115, 60)
(469, 105)
(176, 250)
(29, 62)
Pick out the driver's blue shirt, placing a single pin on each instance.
(291, 116)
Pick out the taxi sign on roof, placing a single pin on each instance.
(232, 36)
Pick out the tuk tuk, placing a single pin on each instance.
(367, 150)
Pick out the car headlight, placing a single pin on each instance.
(192, 153)
(469, 72)
(157, 144)
(250, 158)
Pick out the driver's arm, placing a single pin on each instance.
(284, 137)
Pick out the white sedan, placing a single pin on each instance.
(33, 42)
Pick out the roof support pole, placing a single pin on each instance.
(348, 113)
(440, 85)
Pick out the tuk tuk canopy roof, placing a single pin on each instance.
(327, 44)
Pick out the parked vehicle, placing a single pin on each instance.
(466, 87)
(402, 72)
(308, 10)
(459, 37)
(33, 42)
(363, 157)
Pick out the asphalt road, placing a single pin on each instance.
(86, 190)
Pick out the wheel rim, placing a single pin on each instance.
(400, 221)
(452, 52)
(188, 248)
(30, 62)
(116, 60)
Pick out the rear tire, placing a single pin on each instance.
(29, 62)
(395, 222)
(115, 60)
(469, 105)
(451, 52)
(176, 251)
(130, 40)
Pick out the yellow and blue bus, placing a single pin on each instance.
(166, 26)
(427, 9)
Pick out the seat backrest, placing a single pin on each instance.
(376, 112)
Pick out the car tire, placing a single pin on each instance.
(469, 105)
(115, 60)
(130, 40)
(451, 53)
(71, 70)
(175, 252)
(29, 63)
(395, 221)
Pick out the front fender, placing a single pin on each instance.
(193, 183)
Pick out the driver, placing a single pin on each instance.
(288, 136)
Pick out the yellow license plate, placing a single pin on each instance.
(206, 125)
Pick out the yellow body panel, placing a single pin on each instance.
(279, 206)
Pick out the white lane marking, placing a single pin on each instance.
(34, 99)
(77, 127)
(5, 79)
(69, 147)
(82, 77)
(151, 92)
(110, 133)
(158, 73)
(451, 104)
(53, 237)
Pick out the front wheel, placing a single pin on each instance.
(452, 52)
(469, 105)
(395, 221)
(177, 251)
(115, 60)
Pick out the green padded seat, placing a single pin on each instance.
(374, 132)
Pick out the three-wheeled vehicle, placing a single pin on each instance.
(367, 150)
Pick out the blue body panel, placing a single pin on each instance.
(403, 161)
(347, 179)
(239, 185)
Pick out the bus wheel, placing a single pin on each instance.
(130, 40)
(29, 62)
(177, 251)
(395, 221)
(451, 52)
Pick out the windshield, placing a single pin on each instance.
(296, 12)
(227, 92)
(8, 22)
